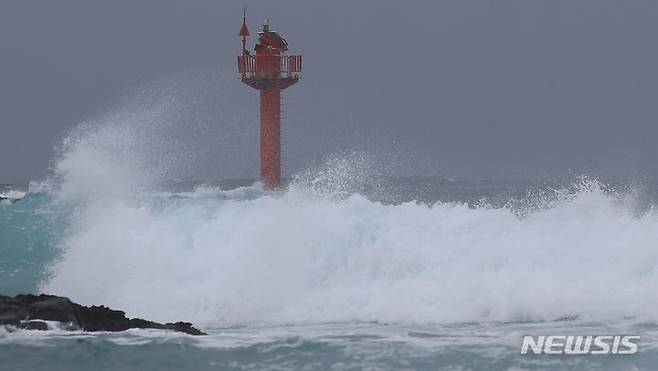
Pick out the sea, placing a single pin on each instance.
(342, 269)
(414, 273)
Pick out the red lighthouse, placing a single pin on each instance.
(270, 70)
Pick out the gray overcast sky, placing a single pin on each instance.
(467, 89)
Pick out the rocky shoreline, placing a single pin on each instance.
(10, 200)
(31, 311)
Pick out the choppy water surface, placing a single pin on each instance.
(437, 273)
(332, 346)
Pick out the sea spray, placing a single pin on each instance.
(291, 258)
(326, 250)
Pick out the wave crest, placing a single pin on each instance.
(294, 258)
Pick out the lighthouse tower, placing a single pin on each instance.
(269, 70)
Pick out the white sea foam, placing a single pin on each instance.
(222, 258)
(13, 194)
(298, 257)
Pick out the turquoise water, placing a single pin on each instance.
(29, 231)
(345, 346)
(310, 279)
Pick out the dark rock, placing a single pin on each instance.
(185, 327)
(101, 318)
(11, 311)
(76, 316)
(10, 200)
(52, 309)
(34, 325)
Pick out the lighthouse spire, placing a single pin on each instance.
(244, 31)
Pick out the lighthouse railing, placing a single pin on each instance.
(269, 66)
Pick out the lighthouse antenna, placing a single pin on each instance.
(244, 31)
